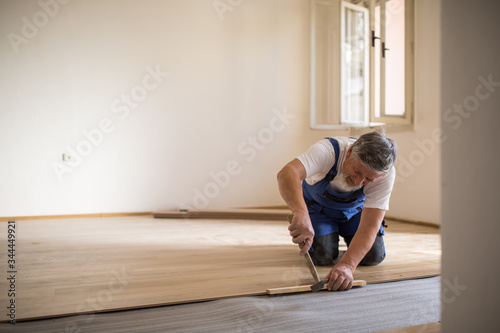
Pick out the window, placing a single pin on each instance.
(355, 56)
(361, 63)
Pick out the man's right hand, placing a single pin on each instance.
(290, 185)
(301, 230)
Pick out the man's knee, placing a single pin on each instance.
(325, 249)
(376, 254)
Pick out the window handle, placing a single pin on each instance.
(384, 49)
(373, 38)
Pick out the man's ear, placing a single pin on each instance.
(348, 154)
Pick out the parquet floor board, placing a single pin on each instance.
(88, 265)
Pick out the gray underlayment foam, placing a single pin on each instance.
(370, 308)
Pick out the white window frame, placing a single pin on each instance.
(333, 108)
(407, 118)
(344, 118)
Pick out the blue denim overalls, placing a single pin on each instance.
(331, 211)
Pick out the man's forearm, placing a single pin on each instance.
(292, 194)
(363, 240)
(359, 247)
(290, 187)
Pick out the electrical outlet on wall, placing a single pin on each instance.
(66, 157)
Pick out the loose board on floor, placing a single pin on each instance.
(245, 214)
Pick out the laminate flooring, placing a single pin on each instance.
(89, 265)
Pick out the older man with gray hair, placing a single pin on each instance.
(341, 186)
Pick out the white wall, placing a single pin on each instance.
(416, 194)
(229, 72)
(471, 114)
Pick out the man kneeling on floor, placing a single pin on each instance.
(341, 186)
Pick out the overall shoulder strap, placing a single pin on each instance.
(333, 171)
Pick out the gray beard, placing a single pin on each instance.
(342, 186)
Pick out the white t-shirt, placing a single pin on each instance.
(320, 158)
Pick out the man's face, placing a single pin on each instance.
(356, 173)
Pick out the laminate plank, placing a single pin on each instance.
(87, 265)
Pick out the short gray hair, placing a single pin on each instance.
(376, 151)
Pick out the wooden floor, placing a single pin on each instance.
(88, 265)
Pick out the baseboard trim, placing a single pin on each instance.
(427, 224)
(45, 217)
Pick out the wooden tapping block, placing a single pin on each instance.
(298, 289)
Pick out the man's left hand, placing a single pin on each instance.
(340, 277)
